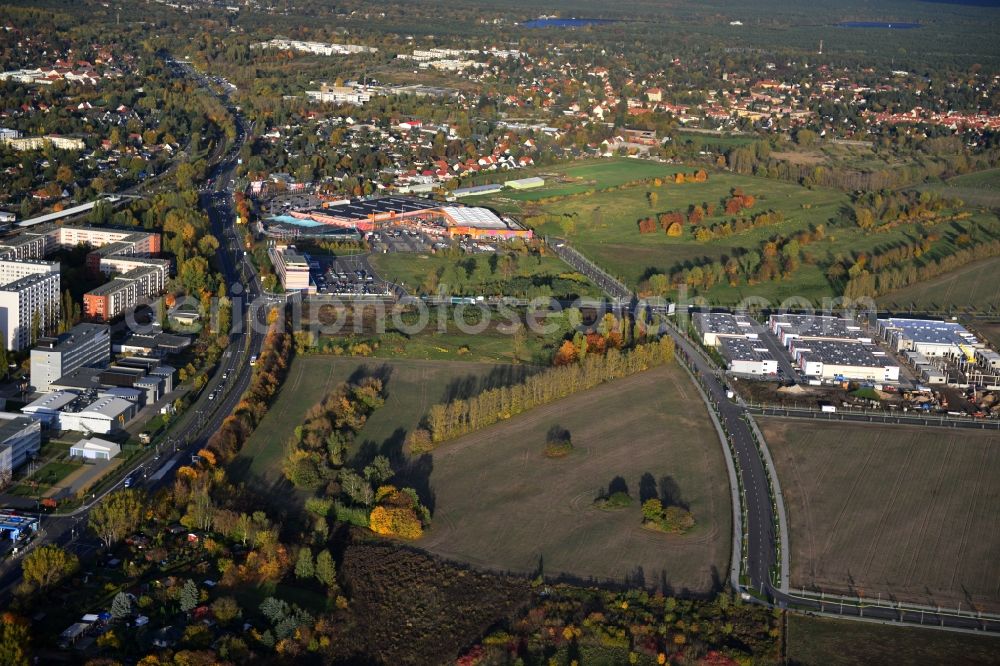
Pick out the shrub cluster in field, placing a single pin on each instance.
(672, 222)
(558, 443)
(617, 500)
(672, 519)
(317, 456)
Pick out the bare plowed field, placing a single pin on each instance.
(907, 513)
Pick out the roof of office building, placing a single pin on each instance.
(12, 427)
(51, 401)
(76, 336)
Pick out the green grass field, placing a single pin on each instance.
(491, 346)
(604, 225)
(980, 188)
(985, 180)
(577, 177)
(501, 504)
(815, 641)
(412, 387)
(473, 275)
(903, 512)
(973, 287)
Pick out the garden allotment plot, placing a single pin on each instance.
(906, 513)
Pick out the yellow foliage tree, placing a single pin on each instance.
(396, 521)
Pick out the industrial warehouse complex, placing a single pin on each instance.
(830, 349)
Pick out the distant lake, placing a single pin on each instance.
(878, 24)
(565, 22)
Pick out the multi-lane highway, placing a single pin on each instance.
(220, 396)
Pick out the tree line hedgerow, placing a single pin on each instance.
(458, 417)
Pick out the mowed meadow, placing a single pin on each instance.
(900, 512)
(604, 225)
(500, 503)
(973, 287)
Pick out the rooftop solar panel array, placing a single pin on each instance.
(362, 210)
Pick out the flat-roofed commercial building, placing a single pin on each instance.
(713, 326)
(291, 267)
(364, 215)
(83, 345)
(745, 356)
(927, 336)
(838, 360)
(481, 223)
(83, 412)
(789, 327)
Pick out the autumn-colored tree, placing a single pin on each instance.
(14, 642)
(675, 230)
(326, 570)
(47, 565)
(695, 215)
(566, 355)
(116, 516)
(395, 521)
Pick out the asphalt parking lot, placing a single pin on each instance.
(284, 203)
(347, 276)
